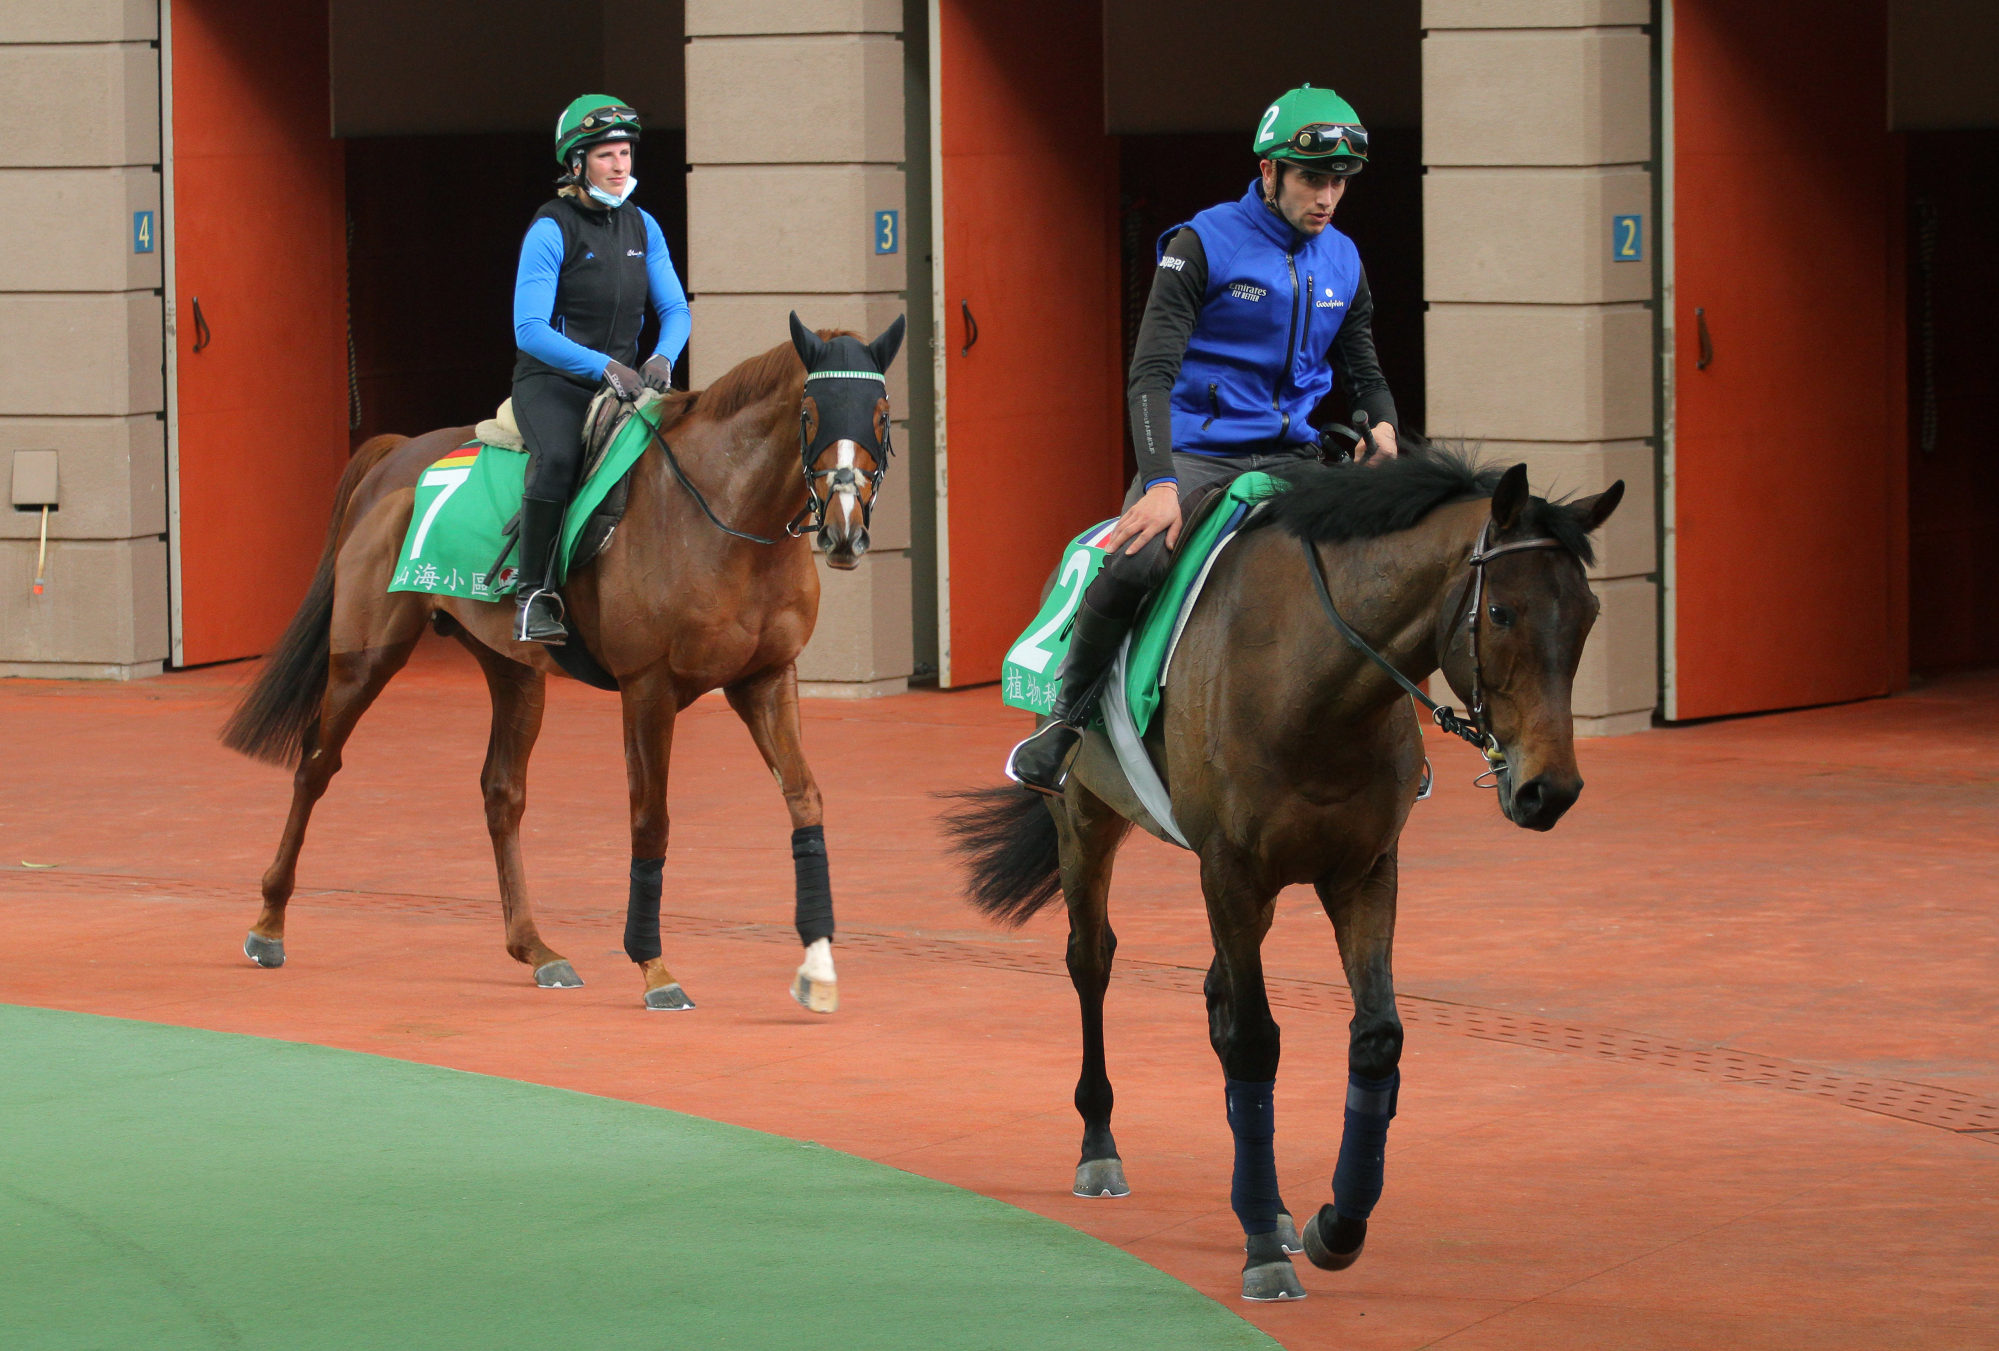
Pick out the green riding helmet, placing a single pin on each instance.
(591, 119)
(1315, 127)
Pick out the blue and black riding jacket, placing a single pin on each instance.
(580, 296)
(1245, 325)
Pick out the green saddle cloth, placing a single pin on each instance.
(1030, 676)
(463, 504)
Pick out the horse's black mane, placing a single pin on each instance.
(1334, 503)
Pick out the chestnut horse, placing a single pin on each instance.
(1292, 757)
(707, 583)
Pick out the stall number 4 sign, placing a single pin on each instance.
(888, 238)
(142, 232)
(1627, 239)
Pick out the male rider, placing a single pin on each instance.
(1254, 304)
(591, 263)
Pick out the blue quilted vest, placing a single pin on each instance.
(1257, 363)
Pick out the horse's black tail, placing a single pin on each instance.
(1006, 838)
(271, 722)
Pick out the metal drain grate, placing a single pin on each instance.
(1923, 1104)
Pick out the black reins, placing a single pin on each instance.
(811, 516)
(1474, 730)
(673, 462)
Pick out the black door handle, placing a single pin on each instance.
(1707, 344)
(202, 337)
(971, 328)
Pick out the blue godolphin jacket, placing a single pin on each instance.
(1258, 361)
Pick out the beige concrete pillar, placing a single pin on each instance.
(1537, 133)
(80, 336)
(794, 142)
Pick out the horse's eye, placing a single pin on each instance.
(1501, 616)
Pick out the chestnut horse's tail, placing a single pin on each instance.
(270, 724)
(1006, 837)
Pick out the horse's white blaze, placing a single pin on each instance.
(818, 965)
(850, 502)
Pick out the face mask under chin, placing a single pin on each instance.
(597, 194)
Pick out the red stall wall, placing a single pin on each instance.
(259, 241)
(1034, 408)
(1790, 460)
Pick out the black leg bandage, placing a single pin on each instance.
(1253, 1119)
(815, 885)
(1357, 1176)
(642, 910)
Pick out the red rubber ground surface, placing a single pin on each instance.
(1712, 1064)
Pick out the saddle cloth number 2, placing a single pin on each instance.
(1030, 652)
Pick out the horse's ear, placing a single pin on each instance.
(811, 347)
(884, 348)
(1594, 511)
(1509, 499)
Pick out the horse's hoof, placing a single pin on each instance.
(1266, 1271)
(668, 998)
(557, 975)
(265, 952)
(1101, 1177)
(1287, 1235)
(1334, 1242)
(821, 996)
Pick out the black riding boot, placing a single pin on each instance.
(1041, 762)
(539, 618)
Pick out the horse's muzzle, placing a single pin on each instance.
(842, 550)
(1539, 802)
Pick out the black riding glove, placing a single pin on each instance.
(623, 381)
(657, 373)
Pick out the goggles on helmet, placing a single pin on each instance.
(605, 118)
(1319, 139)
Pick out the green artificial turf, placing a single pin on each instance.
(165, 1188)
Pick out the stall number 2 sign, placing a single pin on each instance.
(1627, 239)
(888, 232)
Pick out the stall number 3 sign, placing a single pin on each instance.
(888, 236)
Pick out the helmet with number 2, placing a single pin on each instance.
(1314, 127)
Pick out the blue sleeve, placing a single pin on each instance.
(534, 302)
(669, 301)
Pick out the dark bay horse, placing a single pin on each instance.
(1291, 757)
(673, 607)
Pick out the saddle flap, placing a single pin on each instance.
(606, 417)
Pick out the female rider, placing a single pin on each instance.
(590, 264)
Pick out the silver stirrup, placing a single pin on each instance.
(527, 603)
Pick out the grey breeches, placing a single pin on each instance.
(1127, 579)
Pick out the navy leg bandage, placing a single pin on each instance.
(1357, 1176)
(815, 886)
(642, 910)
(1253, 1118)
